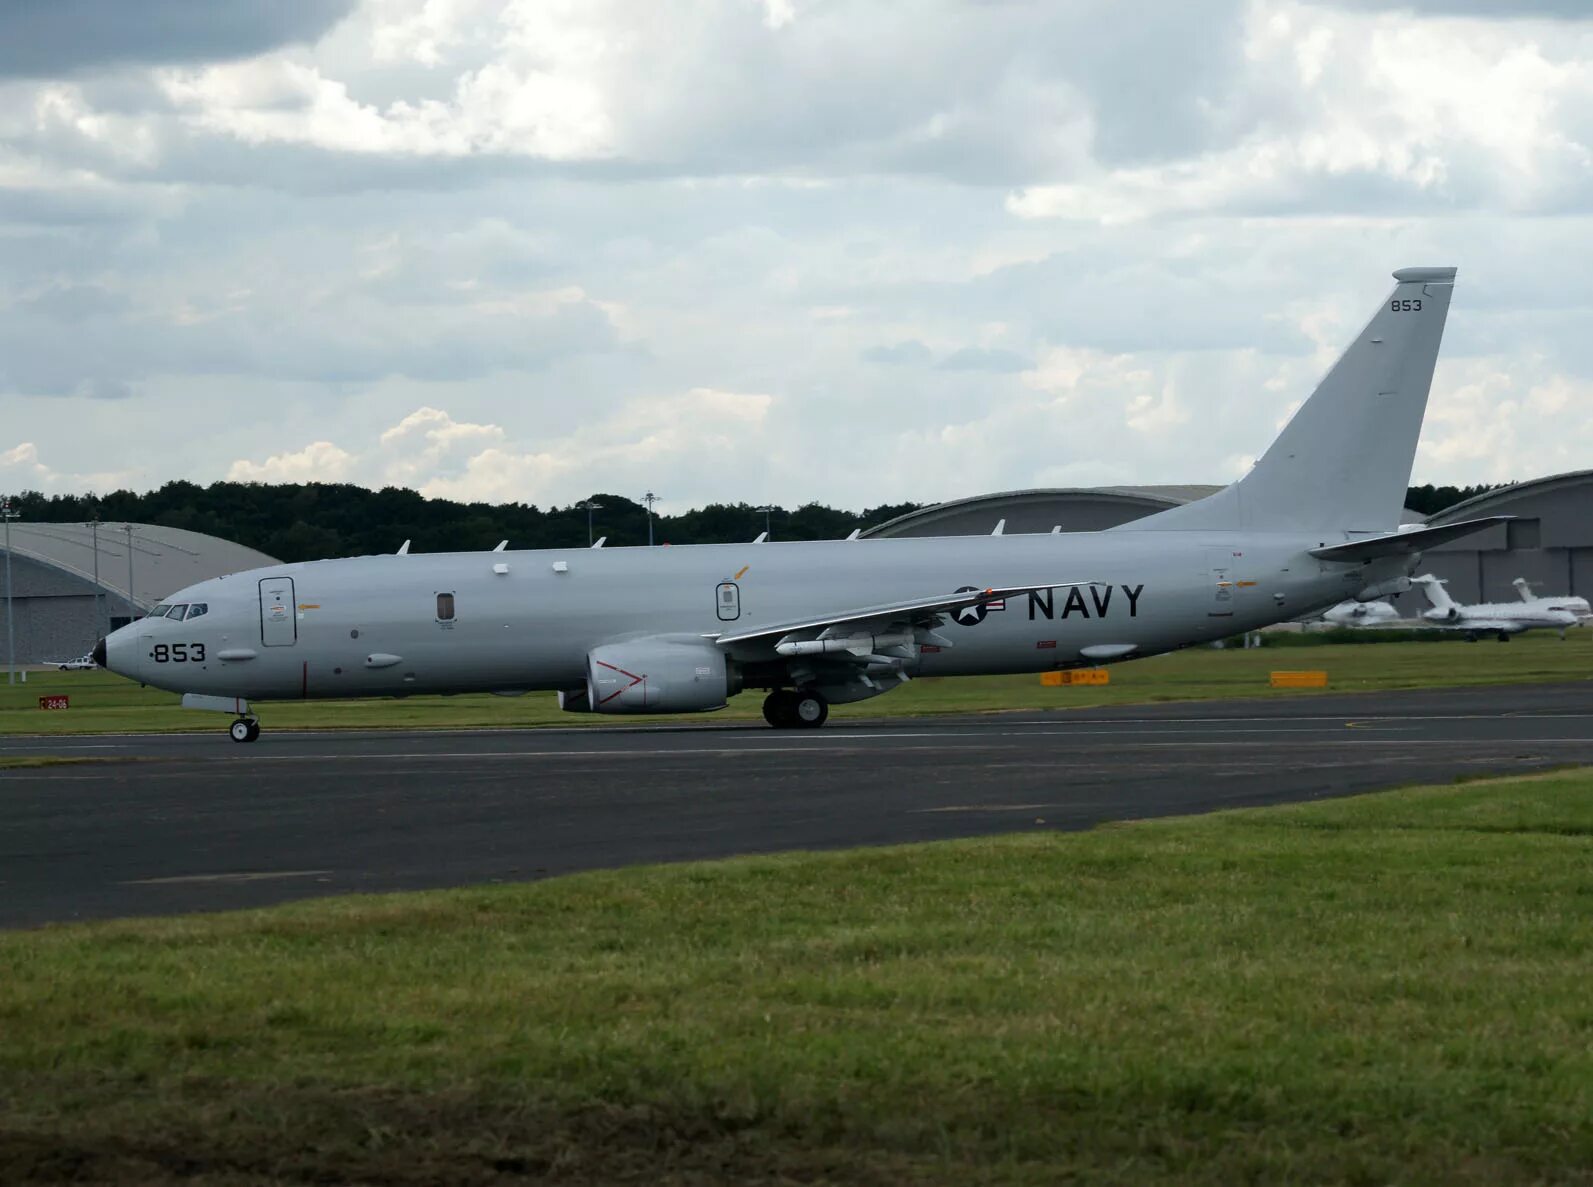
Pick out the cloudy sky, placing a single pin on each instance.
(855, 251)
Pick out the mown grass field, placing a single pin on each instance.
(102, 702)
(1386, 989)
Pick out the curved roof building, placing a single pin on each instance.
(1550, 542)
(1074, 509)
(73, 582)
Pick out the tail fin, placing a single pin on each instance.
(1343, 463)
(1523, 589)
(1433, 587)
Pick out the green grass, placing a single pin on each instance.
(105, 703)
(1386, 989)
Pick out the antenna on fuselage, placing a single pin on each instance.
(1000, 528)
(502, 544)
(601, 540)
(403, 549)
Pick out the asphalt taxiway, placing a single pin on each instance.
(159, 824)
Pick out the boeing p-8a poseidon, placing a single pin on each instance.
(670, 630)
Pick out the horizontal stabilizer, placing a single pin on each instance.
(1405, 543)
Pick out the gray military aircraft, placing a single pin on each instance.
(672, 630)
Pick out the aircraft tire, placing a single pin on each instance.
(245, 729)
(1504, 636)
(778, 709)
(809, 710)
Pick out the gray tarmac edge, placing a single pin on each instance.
(170, 823)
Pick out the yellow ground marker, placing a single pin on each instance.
(1299, 680)
(1076, 676)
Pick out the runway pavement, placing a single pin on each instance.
(194, 822)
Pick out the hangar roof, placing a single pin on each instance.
(1492, 502)
(164, 559)
(1151, 498)
(1125, 503)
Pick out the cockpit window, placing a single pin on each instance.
(196, 609)
(176, 612)
(158, 612)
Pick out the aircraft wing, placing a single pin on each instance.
(1404, 543)
(916, 612)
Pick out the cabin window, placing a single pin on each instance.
(445, 607)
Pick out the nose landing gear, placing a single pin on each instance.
(245, 729)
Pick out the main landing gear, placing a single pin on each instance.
(787, 709)
(245, 729)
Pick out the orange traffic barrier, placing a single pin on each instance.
(1076, 676)
(1299, 680)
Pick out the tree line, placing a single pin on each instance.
(316, 520)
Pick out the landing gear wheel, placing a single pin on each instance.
(245, 729)
(810, 710)
(778, 709)
(1504, 636)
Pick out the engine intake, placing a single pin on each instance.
(658, 675)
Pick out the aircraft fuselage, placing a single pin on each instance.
(520, 621)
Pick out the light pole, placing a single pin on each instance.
(649, 498)
(132, 612)
(589, 506)
(11, 637)
(766, 512)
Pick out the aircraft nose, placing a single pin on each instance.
(98, 654)
(118, 651)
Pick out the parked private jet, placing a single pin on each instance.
(1501, 619)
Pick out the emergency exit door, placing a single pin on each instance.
(1224, 585)
(279, 620)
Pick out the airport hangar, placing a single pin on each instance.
(62, 608)
(1550, 542)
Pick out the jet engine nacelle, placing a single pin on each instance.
(1383, 589)
(1443, 614)
(658, 675)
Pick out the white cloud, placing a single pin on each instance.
(319, 461)
(701, 431)
(532, 250)
(1438, 113)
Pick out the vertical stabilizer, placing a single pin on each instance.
(1523, 589)
(1343, 463)
(1433, 587)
